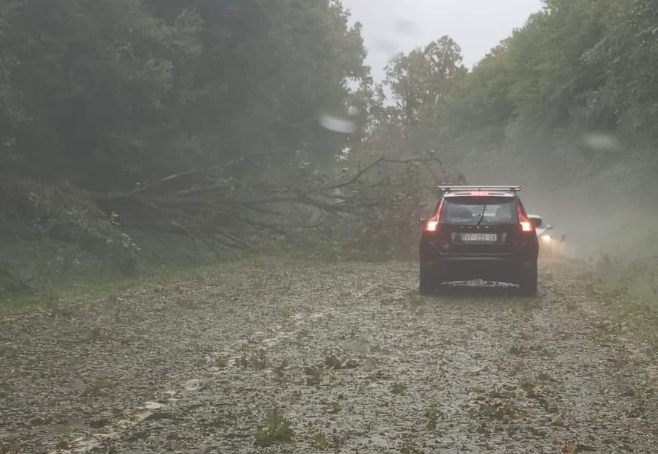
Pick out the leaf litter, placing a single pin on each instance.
(303, 365)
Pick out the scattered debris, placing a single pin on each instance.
(459, 372)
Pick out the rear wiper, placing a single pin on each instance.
(484, 208)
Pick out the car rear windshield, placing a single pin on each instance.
(479, 211)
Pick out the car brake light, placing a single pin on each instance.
(433, 224)
(480, 193)
(526, 224)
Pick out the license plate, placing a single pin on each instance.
(479, 237)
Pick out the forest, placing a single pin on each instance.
(249, 125)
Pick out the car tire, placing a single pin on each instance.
(528, 283)
(427, 285)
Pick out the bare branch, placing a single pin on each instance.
(211, 210)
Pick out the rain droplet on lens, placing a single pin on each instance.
(601, 141)
(338, 124)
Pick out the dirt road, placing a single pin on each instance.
(344, 357)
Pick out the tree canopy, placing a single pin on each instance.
(111, 93)
(577, 71)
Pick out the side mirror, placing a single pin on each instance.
(549, 227)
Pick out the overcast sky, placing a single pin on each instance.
(392, 26)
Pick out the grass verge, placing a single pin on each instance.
(628, 289)
(105, 285)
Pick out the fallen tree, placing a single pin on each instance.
(226, 204)
(260, 202)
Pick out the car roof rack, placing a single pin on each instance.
(480, 188)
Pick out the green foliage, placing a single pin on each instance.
(322, 442)
(267, 69)
(256, 360)
(314, 375)
(275, 428)
(629, 290)
(113, 93)
(399, 389)
(420, 83)
(433, 415)
(576, 70)
(10, 283)
(478, 109)
(628, 55)
(96, 81)
(29, 209)
(332, 408)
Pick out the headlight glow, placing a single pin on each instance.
(546, 238)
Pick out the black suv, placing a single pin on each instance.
(479, 232)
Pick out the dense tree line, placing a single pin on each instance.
(111, 93)
(217, 120)
(572, 95)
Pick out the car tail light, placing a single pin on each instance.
(526, 224)
(480, 193)
(432, 225)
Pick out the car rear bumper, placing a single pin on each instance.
(502, 267)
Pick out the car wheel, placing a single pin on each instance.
(528, 283)
(427, 284)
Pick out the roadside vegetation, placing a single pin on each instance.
(628, 290)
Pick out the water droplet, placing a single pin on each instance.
(337, 124)
(601, 141)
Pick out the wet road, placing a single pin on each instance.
(340, 357)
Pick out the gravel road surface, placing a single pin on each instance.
(288, 356)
